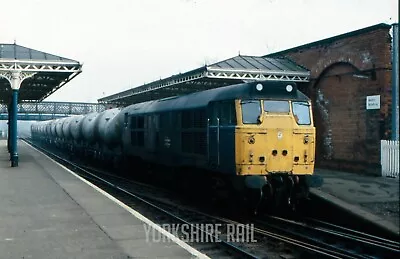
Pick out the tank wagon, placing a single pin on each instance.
(258, 137)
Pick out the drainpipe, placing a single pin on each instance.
(395, 82)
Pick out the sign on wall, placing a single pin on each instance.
(373, 102)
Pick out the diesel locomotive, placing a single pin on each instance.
(258, 138)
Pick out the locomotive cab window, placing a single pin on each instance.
(251, 111)
(276, 106)
(301, 111)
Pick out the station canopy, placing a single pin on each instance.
(48, 72)
(235, 70)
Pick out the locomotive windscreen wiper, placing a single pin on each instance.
(249, 101)
(303, 104)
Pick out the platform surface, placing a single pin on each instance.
(47, 212)
(373, 198)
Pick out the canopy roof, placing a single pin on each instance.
(228, 72)
(47, 72)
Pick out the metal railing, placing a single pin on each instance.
(59, 108)
(33, 117)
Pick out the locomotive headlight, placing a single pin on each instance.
(289, 88)
(259, 87)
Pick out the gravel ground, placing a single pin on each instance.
(387, 210)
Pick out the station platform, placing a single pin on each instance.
(49, 212)
(372, 198)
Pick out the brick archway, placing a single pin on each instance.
(351, 138)
(337, 102)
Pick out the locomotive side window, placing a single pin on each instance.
(193, 131)
(228, 113)
(156, 123)
(225, 111)
(193, 119)
(137, 130)
(140, 130)
(133, 132)
(199, 118)
(187, 119)
(214, 112)
(133, 122)
(251, 110)
(164, 120)
(301, 111)
(276, 106)
(126, 119)
(140, 122)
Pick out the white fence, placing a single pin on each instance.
(390, 158)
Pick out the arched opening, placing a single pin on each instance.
(339, 115)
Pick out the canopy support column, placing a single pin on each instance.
(14, 129)
(15, 77)
(9, 129)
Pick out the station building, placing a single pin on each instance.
(352, 85)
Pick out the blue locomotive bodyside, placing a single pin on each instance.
(228, 131)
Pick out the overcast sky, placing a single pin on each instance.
(125, 43)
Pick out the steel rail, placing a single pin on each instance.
(391, 248)
(354, 233)
(307, 246)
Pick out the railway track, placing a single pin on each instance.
(322, 238)
(314, 238)
(340, 230)
(331, 239)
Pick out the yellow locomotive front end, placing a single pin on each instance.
(274, 136)
(275, 147)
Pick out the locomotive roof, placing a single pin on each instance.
(271, 89)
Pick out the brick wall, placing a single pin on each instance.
(348, 135)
